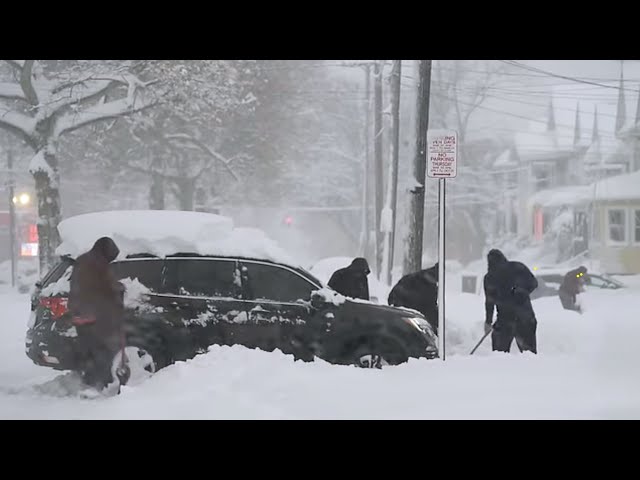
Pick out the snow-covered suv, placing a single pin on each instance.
(177, 305)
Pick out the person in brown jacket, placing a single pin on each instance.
(572, 285)
(96, 303)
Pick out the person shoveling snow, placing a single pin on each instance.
(572, 285)
(507, 287)
(96, 303)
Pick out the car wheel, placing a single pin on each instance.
(138, 366)
(377, 353)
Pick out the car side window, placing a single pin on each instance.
(274, 283)
(203, 278)
(148, 272)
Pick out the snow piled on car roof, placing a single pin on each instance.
(167, 232)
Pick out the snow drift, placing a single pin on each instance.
(586, 368)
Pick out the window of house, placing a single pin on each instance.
(636, 226)
(617, 225)
(543, 177)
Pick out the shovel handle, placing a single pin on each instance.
(481, 340)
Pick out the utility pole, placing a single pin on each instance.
(377, 151)
(366, 191)
(12, 218)
(413, 254)
(396, 73)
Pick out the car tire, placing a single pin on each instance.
(375, 352)
(141, 362)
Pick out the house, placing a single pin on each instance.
(558, 156)
(548, 156)
(505, 176)
(615, 239)
(547, 205)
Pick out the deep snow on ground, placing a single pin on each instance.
(587, 368)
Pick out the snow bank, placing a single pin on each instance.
(586, 369)
(559, 331)
(166, 232)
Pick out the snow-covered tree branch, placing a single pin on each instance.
(39, 105)
(206, 149)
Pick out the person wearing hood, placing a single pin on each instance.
(507, 288)
(352, 281)
(572, 285)
(418, 291)
(96, 304)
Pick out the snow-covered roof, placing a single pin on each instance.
(563, 196)
(166, 232)
(620, 187)
(539, 143)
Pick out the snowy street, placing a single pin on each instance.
(319, 239)
(587, 369)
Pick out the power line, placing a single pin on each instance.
(565, 77)
(542, 75)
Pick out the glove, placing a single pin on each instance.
(487, 327)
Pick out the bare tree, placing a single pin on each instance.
(41, 107)
(179, 141)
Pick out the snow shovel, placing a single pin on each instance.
(481, 340)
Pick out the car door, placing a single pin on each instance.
(145, 312)
(278, 305)
(204, 297)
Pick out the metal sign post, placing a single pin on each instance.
(442, 164)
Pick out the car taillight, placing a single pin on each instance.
(56, 305)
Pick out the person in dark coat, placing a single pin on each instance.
(418, 291)
(507, 287)
(352, 281)
(96, 303)
(572, 285)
